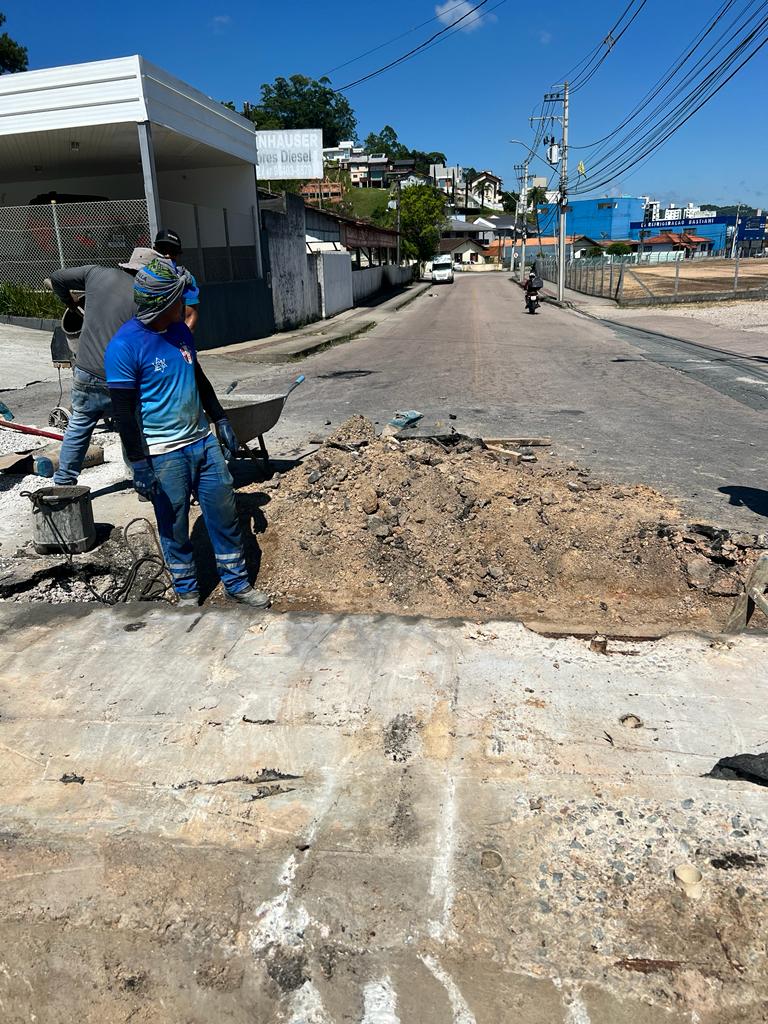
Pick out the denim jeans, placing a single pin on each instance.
(198, 469)
(90, 403)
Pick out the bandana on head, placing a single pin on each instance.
(156, 288)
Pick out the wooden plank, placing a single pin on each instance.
(528, 442)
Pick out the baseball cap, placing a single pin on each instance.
(168, 238)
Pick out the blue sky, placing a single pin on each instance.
(466, 97)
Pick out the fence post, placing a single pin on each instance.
(610, 279)
(58, 233)
(229, 248)
(602, 278)
(677, 276)
(620, 286)
(736, 276)
(200, 257)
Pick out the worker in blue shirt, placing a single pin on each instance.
(168, 245)
(163, 403)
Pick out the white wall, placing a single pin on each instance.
(372, 280)
(216, 187)
(334, 274)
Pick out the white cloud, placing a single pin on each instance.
(221, 22)
(450, 12)
(545, 38)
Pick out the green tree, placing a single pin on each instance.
(423, 161)
(301, 102)
(537, 196)
(422, 218)
(509, 201)
(618, 249)
(13, 56)
(386, 141)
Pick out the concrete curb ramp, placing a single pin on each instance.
(303, 819)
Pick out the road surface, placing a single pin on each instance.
(630, 405)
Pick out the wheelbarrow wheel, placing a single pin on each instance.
(59, 418)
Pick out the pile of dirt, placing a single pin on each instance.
(373, 524)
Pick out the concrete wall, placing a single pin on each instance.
(232, 311)
(295, 296)
(375, 280)
(334, 275)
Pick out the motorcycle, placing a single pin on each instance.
(532, 301)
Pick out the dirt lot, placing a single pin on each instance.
(696, 277)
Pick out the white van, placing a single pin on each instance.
(442, 269)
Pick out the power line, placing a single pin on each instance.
(416, 49)
(638, 137)
(394, 39)
(609, 41)
(664, 80)
(673, 121)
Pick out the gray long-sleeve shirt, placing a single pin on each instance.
(108, 305)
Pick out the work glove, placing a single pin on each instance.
(227, 437)
(145, 480)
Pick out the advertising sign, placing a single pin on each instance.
(289, 154)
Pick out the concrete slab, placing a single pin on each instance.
(326, 818)
(26, 359)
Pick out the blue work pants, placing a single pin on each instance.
(90, 403)
(198, 469)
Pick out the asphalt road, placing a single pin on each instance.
(631, 406)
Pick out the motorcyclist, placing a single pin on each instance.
(532, 284)
(531, 289)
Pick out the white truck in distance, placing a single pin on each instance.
(442, 269)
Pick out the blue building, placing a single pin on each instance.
(608, 218)
(716, 228)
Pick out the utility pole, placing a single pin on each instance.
(735, 232)
(524, 201)
(398, 221)
(563, 197)
(560, 97)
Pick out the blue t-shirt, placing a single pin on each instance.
(161, 367)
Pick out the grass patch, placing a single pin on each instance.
(366, 201)
(19, 300)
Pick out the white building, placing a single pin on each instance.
(343, 152)
(123, 147)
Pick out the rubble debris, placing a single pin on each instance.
(630, 721)
(745, 767)
(599, 644)
(71, 777)
(441, 526)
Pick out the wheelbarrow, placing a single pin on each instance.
(252, 416)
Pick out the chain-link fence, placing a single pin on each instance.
(35, 240)
(645, 284)
(219, 243)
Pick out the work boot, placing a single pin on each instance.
(252, 598)
(190, 600)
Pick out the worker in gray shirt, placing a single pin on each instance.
(108, 305)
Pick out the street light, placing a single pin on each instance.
(524, 197)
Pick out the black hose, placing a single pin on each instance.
(119, 593)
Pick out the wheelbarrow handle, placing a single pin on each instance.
(299, 380)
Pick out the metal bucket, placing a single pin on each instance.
(72, 322)
(62, 519)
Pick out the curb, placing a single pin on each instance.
(33, 322)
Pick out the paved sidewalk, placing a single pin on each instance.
(336, 818)
(287, 346)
